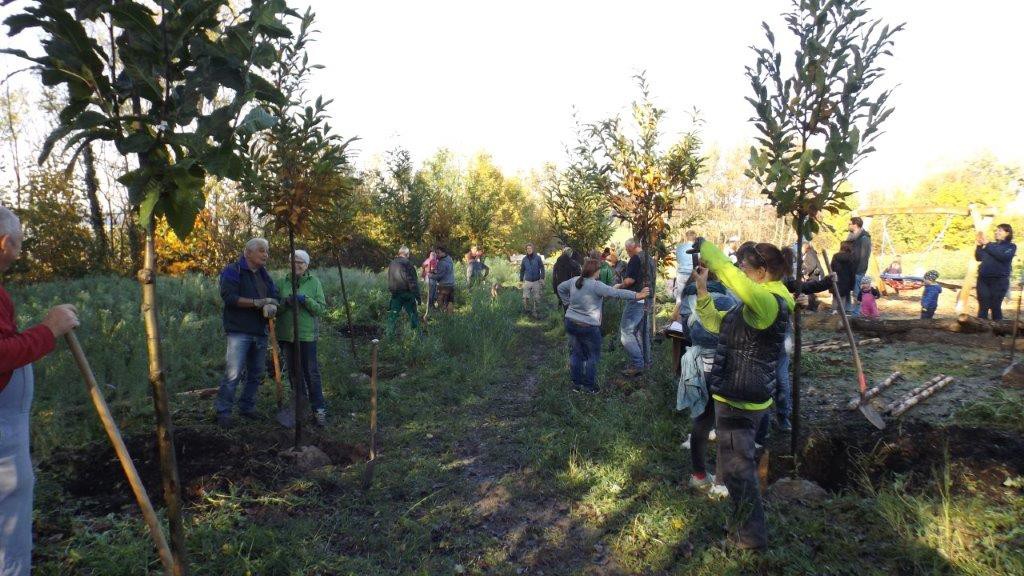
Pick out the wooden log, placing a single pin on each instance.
(924, 395)
(892, 379)
(841, 345)
(892, 405)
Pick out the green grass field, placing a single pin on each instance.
(489, 464)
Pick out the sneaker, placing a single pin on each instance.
(321, 417)
(224, 421)
(704, 483)
(718, 491)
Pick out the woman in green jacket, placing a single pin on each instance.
(309, 303)
(744, 375)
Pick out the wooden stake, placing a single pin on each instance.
(148, 514)
(917, 399)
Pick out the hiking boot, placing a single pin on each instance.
(704, 483)
(320, 415)
(632, 371)
(224, 421)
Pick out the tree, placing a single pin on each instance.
(644, 182)
(817, 122)
(576, 202)
(57, 244)
(404, 200)
(144, 80)
(445, 182)
(293, 167)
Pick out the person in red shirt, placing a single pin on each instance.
(18, 350)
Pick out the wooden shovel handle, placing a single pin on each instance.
(373, 400)
(275, 356)
(861, 381)
(148, 514)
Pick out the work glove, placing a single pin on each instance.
(263, 302)
(270, 310)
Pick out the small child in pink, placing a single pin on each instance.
(868, 298)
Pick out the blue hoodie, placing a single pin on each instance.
(996, 259)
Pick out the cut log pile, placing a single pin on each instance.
(899, 406)
(837, 344)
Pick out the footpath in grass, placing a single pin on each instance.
(490, 465)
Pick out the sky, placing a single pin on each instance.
(507, 77)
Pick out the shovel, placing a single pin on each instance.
(285, 414)
(148, 514)
(368, 474)
(870, 413)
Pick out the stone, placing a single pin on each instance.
(307, 458)
(1013, 376)
(796, 490)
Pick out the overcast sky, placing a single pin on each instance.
(505, 77)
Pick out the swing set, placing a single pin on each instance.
(982, 219)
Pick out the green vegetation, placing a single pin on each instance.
(489, 464)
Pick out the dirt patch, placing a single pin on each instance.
(208, 460)
(843, 458)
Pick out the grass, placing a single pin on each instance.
(489, 464)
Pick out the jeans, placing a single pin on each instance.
(991, 292)
(245, 358)
(856, 290)
(17, 480)
(403, 301)
(631, 332)
(310, 371)
(737, 465)
(584, 354)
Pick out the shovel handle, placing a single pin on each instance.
(148, 514)
(275, 356)
(862, 383)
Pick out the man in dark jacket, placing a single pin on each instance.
(565, 268)
(444, 275)
(405, 290)
(531, 275)
(250, 300)
(861, 252)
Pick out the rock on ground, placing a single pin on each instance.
(796, 490)
(1013, 376)
(307, 458)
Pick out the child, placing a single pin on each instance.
(930, 298)
(868, 298)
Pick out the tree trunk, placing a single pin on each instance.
(348, 307)
(161, 408)
(295, 366)
(794, 439)
(92, 187)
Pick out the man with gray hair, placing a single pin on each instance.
(18, 350)
(405, 291)
(531, 274)
(250, 301)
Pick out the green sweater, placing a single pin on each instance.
(309, 311)
(607, 275)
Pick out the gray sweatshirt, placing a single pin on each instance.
(585, 303)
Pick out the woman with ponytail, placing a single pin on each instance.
(743, 377)
(583, 297)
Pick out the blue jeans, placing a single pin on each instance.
(631, 329)
(246, 358)
(310, 371)
(584, 353)
(856, 290)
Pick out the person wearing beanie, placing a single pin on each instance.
(930, 298)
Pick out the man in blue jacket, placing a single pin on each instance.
(250, 301)
(444, 276)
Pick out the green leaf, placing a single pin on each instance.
(147, 207)
(135, 143)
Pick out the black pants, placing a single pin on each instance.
(991, 292)
(737, 464)
(702, 426)
(927, 313)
